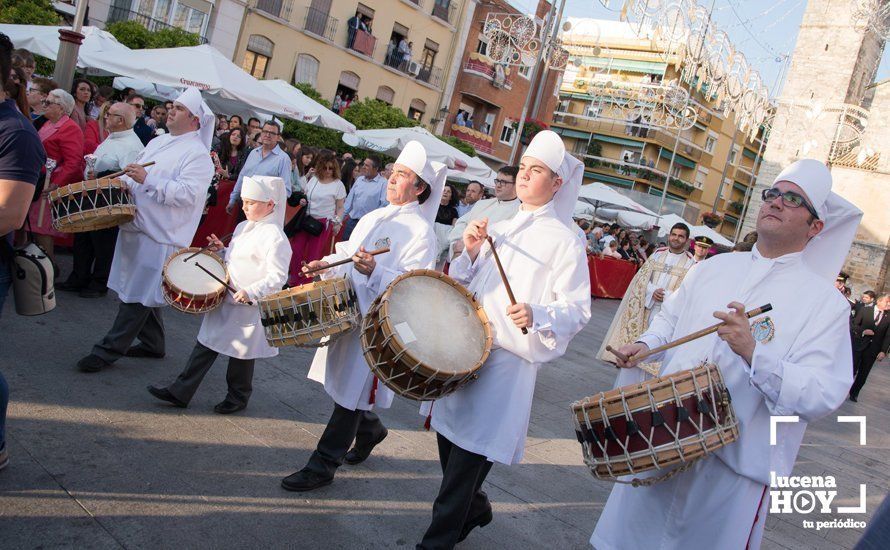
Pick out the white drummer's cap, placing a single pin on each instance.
(548, 148)
(414, 157)
(260, 189)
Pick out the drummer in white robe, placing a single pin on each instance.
(169, 198)
(795, 361)
(406, 226)
(257, 259)
(545, 262)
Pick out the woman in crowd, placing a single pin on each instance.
(235, 122)
(16, 90)
(348, 173)
(303, 167)
(83, 90)
(445, 218)
(627, 252)
(611, 251)
(63, 141)
(325, 196)
(103, 114)
(232, 152)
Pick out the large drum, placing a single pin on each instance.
(189, 288)
(663, 423)
(304, 315)
(90, 205)
(426, 335)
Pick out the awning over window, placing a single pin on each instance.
(609, 179)
(565, 132)
(619, 141)
(679, 159)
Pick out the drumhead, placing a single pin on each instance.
(436, 323)
(188, 277)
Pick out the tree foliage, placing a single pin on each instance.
(461, 146)
(312, 93)
(133, 35)
(28, 12)
(369, 114)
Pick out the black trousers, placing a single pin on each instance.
(239, 376)
(460, 496)
(132, 321)
(93, 252)
(864, 362)
(344, 427)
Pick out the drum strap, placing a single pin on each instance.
(373, 396)
(429, 417)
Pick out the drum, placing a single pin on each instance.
(190, 289)
(426, 335)
(665, 422)
(91, 205)
(304, 315)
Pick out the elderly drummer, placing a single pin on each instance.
(545, 263)
(169, 197)
(796, 361)
(257, 260)
(406, 227)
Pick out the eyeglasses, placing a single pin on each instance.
(109, 115)
(268, 133)
(789, 199)
(138, 105)
(503, 182)
(46, 102)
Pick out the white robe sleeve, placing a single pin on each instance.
(814, 378)
(420, 253)
(275, 268)
(556, 323)
(463, 269)
(189, 187)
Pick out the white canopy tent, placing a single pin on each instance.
(631, 220)
(100, 51)
(668, 220)
(307, 109)
(599, 195)
(390, 142)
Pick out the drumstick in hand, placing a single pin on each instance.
(122, 172)
(497, 260)
(688, 338)
(346, 261)
(220, 281)
(205, 247)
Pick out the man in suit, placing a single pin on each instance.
(871, 340)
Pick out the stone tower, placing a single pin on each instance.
(820, 116)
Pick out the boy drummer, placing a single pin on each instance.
(545, 263)
(257, 260)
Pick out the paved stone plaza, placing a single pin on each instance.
(98, 463)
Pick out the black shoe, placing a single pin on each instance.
(164, 395)
(141, 351)
(68, 286)
(481, 520)
(854, 398)
(92, 293)
(359, 455)
(227, 407)
(305, 480)
(92, 363)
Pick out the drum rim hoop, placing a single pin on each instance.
(86, 185)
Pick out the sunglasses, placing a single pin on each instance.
(790, 199)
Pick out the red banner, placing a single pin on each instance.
(609, 278)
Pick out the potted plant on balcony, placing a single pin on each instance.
(736, 206)
(530, 129)
(711, 219)
(677, 183)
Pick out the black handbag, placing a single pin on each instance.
(308, 223)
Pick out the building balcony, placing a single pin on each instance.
(481, 65)
(360, 41)
(638, 172)
(430, 75)
(320, 24)
(445, 10)
(480, 141)
(282, 9)
(116, 14)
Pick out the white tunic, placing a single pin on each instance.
(342, 367)
(805, 370)
(493, 209)
(547, 269)
(257, 258)
(168, 210)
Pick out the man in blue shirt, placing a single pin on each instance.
(368, 193)
(21, 158)
(266, 160)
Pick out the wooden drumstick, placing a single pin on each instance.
(346, 261)
(205, 247)
(122, 172)
(220, 281)
(497, 260)
(688, 338)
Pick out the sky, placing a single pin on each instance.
(765, 30)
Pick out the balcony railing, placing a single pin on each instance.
(395, 60)
(116, 14)
(445, 10)
(481, 65)
(281, 9)
(361, 42)
(320, 23)
(430, 75)
(480, 141)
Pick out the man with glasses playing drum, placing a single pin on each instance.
(169, 198)
(545, 263)
(406, 227)
(795, 361)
